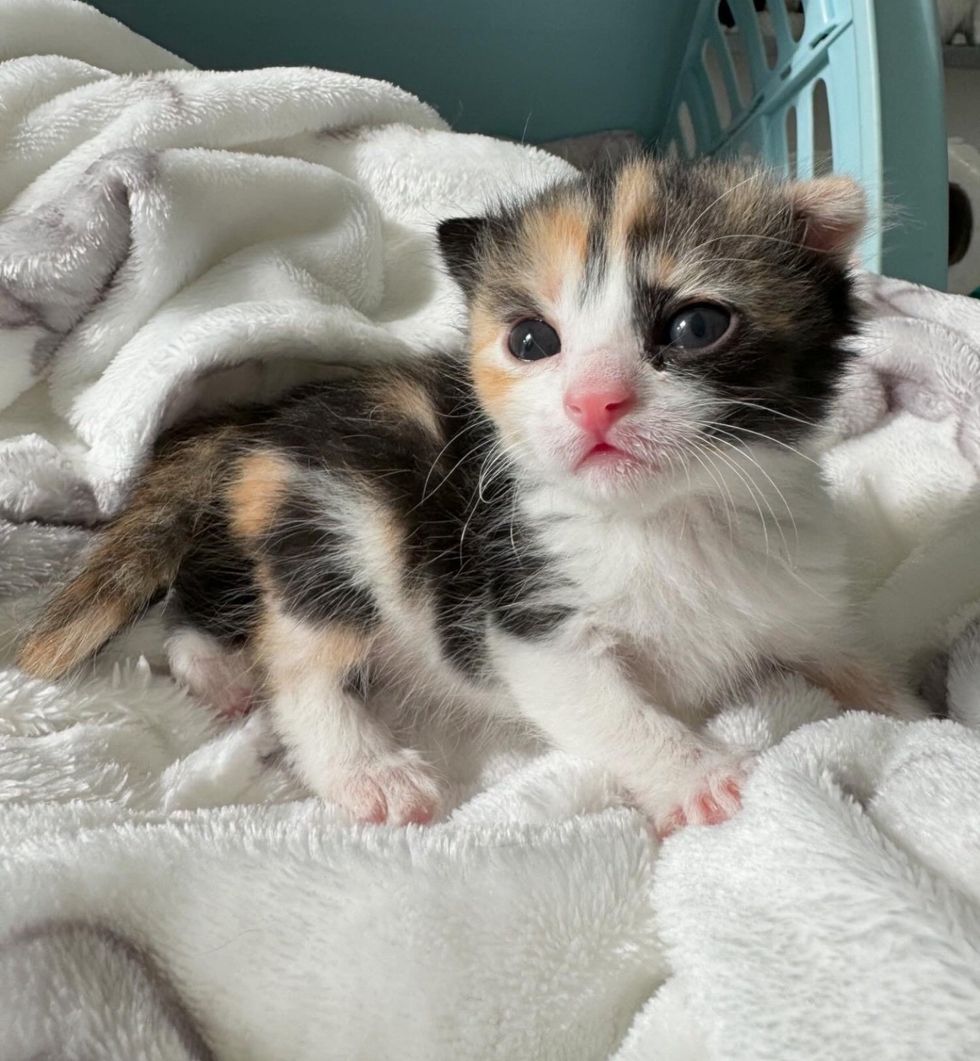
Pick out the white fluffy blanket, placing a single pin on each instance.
(172, 239)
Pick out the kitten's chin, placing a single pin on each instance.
(607, 472)
(604, 474)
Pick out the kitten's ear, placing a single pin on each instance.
(832, 213)
(459, 241)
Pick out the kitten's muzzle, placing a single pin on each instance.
(596, 409)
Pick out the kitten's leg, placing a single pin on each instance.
(315, 683)
(860, 684)
(217, 674)
(586, 703)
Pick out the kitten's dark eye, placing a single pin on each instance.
(698, 327)
(531, 340)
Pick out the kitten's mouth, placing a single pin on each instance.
(605, 454)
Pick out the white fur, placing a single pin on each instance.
(732, 572)
(342, 751)
(685, 587)
(678, 604)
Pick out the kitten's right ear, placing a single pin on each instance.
(460, 239)
(832, 212)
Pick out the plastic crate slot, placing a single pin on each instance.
(823, 134)
(767, 27)
(790, 132)
(822, 36)
(743, 76)
(686, 126)
(749, 36)
(796, 19)
(716, 81)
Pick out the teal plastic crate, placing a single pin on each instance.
(541, 69)
(852, 86)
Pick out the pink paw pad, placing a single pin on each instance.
(421, 814)
(389, 795)
(711, 805)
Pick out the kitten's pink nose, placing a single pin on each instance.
(596, 409)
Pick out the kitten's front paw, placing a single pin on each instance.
(708, 797)
(394, 790)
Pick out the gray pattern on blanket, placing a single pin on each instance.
(956, 674)
(59, 258)
(891, 373)
(82, 989)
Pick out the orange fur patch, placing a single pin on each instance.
(288, 653)
(49, 653)
(342, 647)
(492, 382)
(556, 240)
(391, 532)
(663, 270)
(255, 492)
(410, 401)
(632, 202)
(484, 327)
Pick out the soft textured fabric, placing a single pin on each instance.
(174, 238)
(168, 891)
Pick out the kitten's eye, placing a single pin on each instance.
(531, 340)
(698, 327)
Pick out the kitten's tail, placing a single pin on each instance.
(133, 558)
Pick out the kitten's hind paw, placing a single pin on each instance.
(220, 676)
(395, 790)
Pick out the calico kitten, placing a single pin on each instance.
(600, 519)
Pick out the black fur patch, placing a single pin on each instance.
(305, 559)
(460, 241)
(215, 589)
(462, 547)
(355, 682)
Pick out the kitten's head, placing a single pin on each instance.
(621, 323)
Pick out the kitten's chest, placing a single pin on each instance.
(644, 586)
(681, 600)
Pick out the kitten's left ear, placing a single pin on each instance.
(832, 213)
(460, 240)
